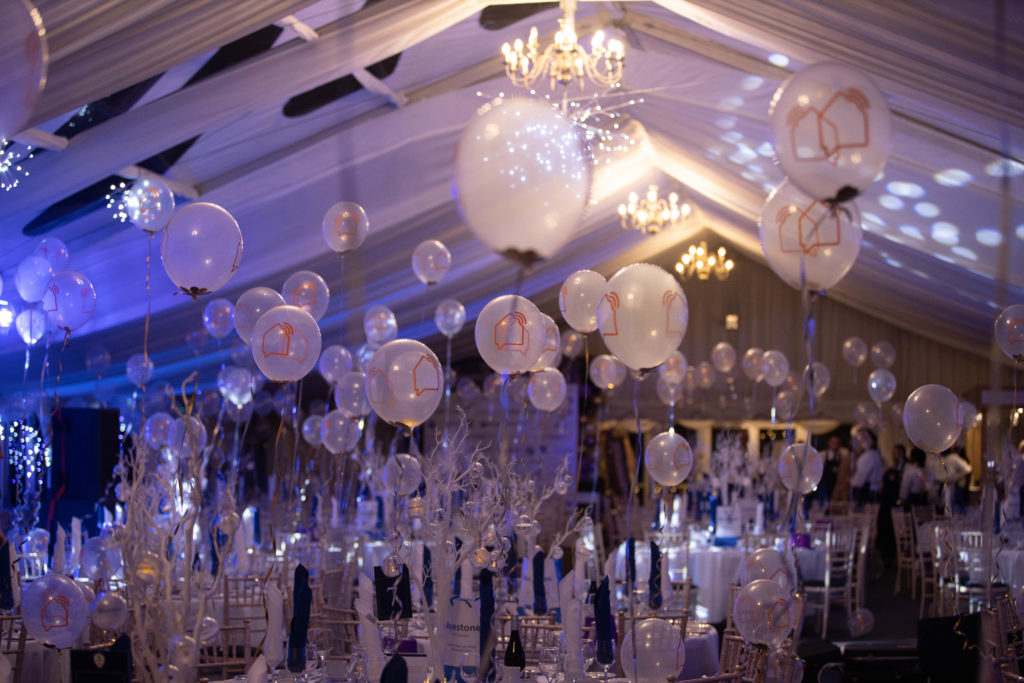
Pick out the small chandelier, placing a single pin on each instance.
(650, 214)
(697, 260)
(564, 60)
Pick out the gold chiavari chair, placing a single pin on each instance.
(230, 654)
(903, 529)
(1002, 640)
(840, 555)
(244, 602)
(12, 643)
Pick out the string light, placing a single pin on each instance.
(116, 202)
(11, 169)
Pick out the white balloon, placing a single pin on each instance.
(31, 278)
(345, 226)
(449, 316)
(751, 364)
(932, 418)
(668, 458)
(311, 430)
(219, 317)
(821, 379)
(510, 334)
(1009, 331)
(380, 325)
(800, 468)
(54, 251)
(763, 613)
(431, 261)
(149, 203)
(607, 372)
(286, 343)
(668, 393)
(547, 389)
(723, 357)
(308, 291)
(404, 382)
(201, 248)
(883, 355)
(338, 433)
(402, 474)
(551, 355)
(250, 306)
(335, 362)
(139, 369)
(579, 298)
(855, 351)
(774, 367)
(881, 385)
(660, 653)
(572, 343)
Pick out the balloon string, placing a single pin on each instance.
(581, 437)
(447, 386)
(28, 347)
(149, 302)
(631, 571)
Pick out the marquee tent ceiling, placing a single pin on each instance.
(939, 258)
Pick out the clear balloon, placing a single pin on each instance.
(31, 325)
(817, 378)
(109, 611)
(607, 372)
(774, 367)
(831, 130)
(363, 355)
(522, 177)
(450, 316)
(139, 369)
(308, 291)
(402, 474)
(855, 351)
(201, 248)
(404, 382)
(881, 385)
(723, 357)
(345, 226)
(896, 414)
(932, 418)
(510, 334)
(350, 395)
(767, 563)
(751, 364)
(54, 251)
(763, 613)
(219, 318)
(209, 629)
(883, 355)
(235, 385)
(669, 459)
(335, 363)
(250, 306)
(187, 435)
(670, 394)
(53, 610)
(579, 299)
(551, 355)
(572, 343)
(866, 413)
(800, 468)
(23, 65)
(380, 325)
(705, 375)
(94, 564)
(157, 427)
(785, 405)
(643, 315)
(286, 343)
(31, 278)
(311, 430)
(431, 261)
(970, 416)
(659, 655)
(149, 203)
(547, 389)
(1009, 331)
(673, 370)
(196, 340)
(861, 622)
(338, 432)
(809, 244)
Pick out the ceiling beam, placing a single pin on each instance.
(34, 137)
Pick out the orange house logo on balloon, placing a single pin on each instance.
(816, 136)
(88, 301)
(149, 204)
(673, 303)
(1015, 331)
(379, 389)
(55, 612)
(778, 616)
(613, 305)
(238, 256)
(746, 610)
(50, 298)
(304, 296)
(787, 474)
(683, 457)
(426, 375)
(801, 233)
(346, 224)
(277, 341)
(510, 333)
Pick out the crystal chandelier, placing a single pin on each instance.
(650, 214)
(564, 60)
(698, 261)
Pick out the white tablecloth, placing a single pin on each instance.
(712, 571)
(701, 651)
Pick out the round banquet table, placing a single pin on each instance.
(701, 651)
(712, 571)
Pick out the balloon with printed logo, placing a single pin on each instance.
(510, 334)
(31, 277)
(149, 203)
(817, 378)
(219, 318)
(97, 360)
(24, 57)
(308, 291)
(522, 177)
(785, 405)
(723, 357)
(607, 372)
(855, 351)
(139, 369)
(881, 385)
(157, 428)
(669, 394)
(286, 343)
(201, 248)
(335, 362)
(660, 653)
(69, 300)
(673, 369)
(431, 261)
(1009, 332)
(350, 395)
(579, 299)
(380, 325)
(450, 316)
(774, 367)
(53, 610)
(571, 343)
(345, 226)
(250, 306)
(669, 459)
(547, 389)
(311, 430)
(551, 356)
(809, 244)
(883, 355)
(767, 563)
(932, 418)
(831, 130)
(751, 364)
(54, 251)
(800, 468)
(404, 382)
(643, 315)
(403, 474)
(763, 613)
(235, 385)
(338, 432)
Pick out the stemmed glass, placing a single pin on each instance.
(605, 655)
(549, 661)
(587, 647)
(321, 640)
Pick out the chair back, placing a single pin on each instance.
(903, 528)
(229, 654)
(12, 643)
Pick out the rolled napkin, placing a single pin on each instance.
(631, 562)
(428, 581)
(59, 549)
(603, 625)
(369, 640)
(6, 575)
(76, 541)
(654, 580)
(241, 553)
(257, 673)
(273, 645)
(540, 601)
(395, 671)
(552, 578)
(364, 594)
(302, 597)
(609, 565)
(572, 625)
(485, 670)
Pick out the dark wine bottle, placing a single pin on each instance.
(515, 655)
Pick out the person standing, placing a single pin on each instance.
(866, 481)
(890, 499)
(916, 481)
(834, 456)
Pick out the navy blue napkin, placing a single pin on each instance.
(486, 616)
(256, 526)
(428, 580)
(302, 596)
(631, 562)
(6, 585)
(604, 627)
(540, 598)
(513, 567)
(395, 671)
(654, 581)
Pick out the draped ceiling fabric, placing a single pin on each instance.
(937, 264)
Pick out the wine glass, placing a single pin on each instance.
(605, 655)
(549, 660)
(587, 650)
(320, 638)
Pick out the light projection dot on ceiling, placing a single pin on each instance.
(946, 233)
(953, 177)
(904, 189)
(751, 176)
(778, 60)
(892, 262)
(765, 149)
(726, 122)
(912, 231)
(880, 177)
(732, 102)
(732, 137)
(945, 258)
(890, 202)
(871, 218)
(988, 237)
(921, 274)
(926, 210)
(751, 82)
(1004, 167)
(964, 252)
(742, 155)
(992, 304)
(1020, 231)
